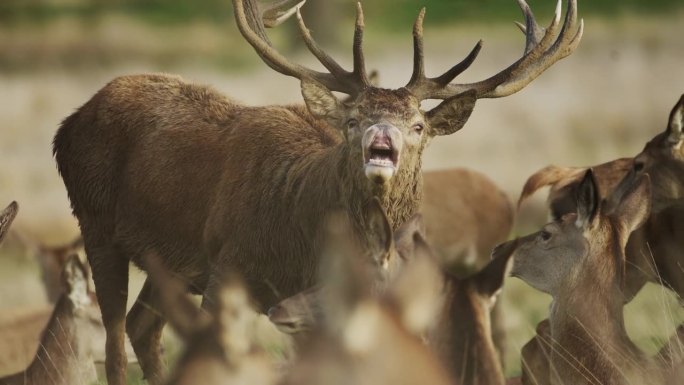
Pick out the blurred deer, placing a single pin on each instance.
(66, 352)
(153, 162)
(466, 215)
(461, 332)
(366, 338)
(579, 260)
(654, 251)
(218, 348)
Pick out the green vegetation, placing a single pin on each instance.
(397, 12)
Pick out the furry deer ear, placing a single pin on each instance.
(630, 202)
(587, 200)
(183, 315)
(489, 280)
(406, 233)
(6, 217)
(321, 103)
(75, 281)
(450, 115)
(380, 233)
(676, 122)
(416, 292)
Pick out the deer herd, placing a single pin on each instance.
(320, 217)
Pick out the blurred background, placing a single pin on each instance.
(604, 101)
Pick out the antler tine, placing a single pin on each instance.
(275, 14)
(328, 62)
(252, 29)
(359, 59)
(542, 49)
(418, 55)
(419, 84)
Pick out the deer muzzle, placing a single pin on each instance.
(382, 145)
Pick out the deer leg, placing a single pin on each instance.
(110, 274)
(144, 325)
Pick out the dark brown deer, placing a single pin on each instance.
(153, 162)
(73, 334)
(579, 260)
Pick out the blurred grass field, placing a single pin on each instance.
(601, 103)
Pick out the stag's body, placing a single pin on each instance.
(153, 163)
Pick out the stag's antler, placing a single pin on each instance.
(542, 49)
(339, 79)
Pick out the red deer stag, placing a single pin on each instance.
(153, 162)
(579, 260)
(70, 339)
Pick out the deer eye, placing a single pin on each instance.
(352, 123)
(638, 166)
(418, 127)
(544, 236)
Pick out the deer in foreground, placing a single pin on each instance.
(461, 334)
(654, 251)
(153, 162)
(466, 215)
(368, 338)
(218, 348)
(73, 334)
(579, 260)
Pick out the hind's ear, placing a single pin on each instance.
(676, 123)
(321, 103)
(75, 281)
(183, 315)
(490, 279)
(587, 200)
(416, 292)
(630, 202)
(6, 217)
(450, 115)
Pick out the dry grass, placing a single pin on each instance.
(601, 103)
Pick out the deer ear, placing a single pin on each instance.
(450, 115)
(405, 234)
(587, 200)
(380, 233)
(322, 104)
(630, 202)
(676, 122)
(489, 280)
(183, 315)
(6, 217)
(417, 290)
(75, 281)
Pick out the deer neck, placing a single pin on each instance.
(400, 197)
(588, 330)
(60, 358)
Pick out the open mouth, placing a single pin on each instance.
(382, 154)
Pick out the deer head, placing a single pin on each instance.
(663, 159)
(587, 246)
(387, 130)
